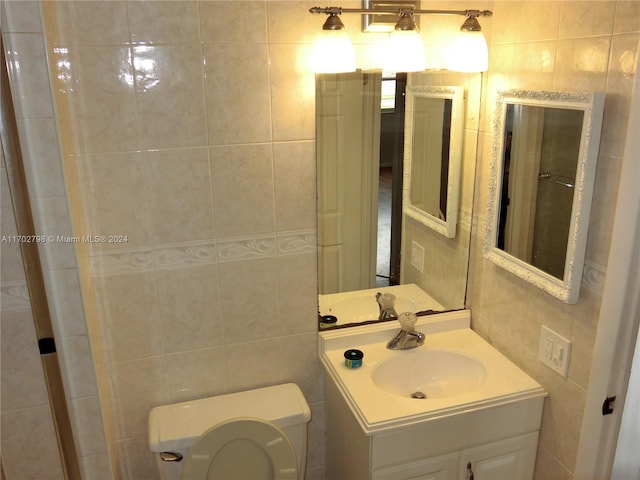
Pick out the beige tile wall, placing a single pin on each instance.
(188, 127)
(556, 45)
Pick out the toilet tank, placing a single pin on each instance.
(174, 428)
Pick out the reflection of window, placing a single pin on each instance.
(388, 92)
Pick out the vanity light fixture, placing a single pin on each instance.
(404, 51)
(469, 51)
(333, 51)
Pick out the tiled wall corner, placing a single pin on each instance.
(26, 55)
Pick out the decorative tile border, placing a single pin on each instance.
(295, 243)
(122, 262)
(593, 276)
(478, 222)
(15, 296)
(231, 249)
(236, 249)
(465, 219)
(191, 254)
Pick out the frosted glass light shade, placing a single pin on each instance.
(333, 53)
(404, 52)
(468, 53)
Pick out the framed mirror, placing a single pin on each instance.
(433, 156)
(544, 154)
(360, 141)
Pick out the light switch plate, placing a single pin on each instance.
(554, 351)
(417, 256)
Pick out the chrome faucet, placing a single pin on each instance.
(385, 302)
(407, 337)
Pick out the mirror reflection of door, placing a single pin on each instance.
(360, 143)
(348, 127)
(391, 175)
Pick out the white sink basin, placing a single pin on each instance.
(432, 373)
(457, 370)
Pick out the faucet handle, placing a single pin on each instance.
(408, 321)
(385, 300)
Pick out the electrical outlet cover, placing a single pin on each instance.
(554, 351)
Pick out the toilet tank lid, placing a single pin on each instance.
(176, 426)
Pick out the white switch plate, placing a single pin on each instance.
(417, 256)
(554, 351)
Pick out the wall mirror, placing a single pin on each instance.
(360, 141)
(433, 156)
(545, 149)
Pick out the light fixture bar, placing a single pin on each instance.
(468, 13)
(399, 11)
(404, 51)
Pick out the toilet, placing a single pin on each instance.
(254, 435)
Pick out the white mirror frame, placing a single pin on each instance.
(456, 94)
(592, 105)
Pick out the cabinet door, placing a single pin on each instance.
(510, 459)
(437, 468)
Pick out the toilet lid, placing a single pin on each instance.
(241, 449)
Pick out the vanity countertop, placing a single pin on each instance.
(361, 305)
(378, 410)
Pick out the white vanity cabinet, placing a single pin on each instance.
(510, 459)
(497, 443)
(376, 431)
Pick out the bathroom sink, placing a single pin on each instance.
(457, 371)
(429, 374)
